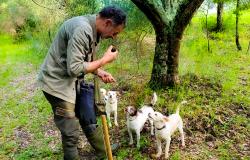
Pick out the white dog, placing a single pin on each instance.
(137, 118)
(165, 127)
(111, 106)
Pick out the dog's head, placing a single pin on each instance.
(158, 117)
(111, 96)
(131, 111)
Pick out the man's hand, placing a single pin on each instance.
(109, 56)
(105, 76)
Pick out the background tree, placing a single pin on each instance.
(206, 6)
(219, 20)
(237, 25)
(240, 5)
(169, 19)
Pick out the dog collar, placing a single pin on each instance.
(131, 118)
(161, 127)
(112, 103)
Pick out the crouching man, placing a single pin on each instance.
(69, 57)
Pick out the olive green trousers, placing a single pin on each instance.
(67, 123)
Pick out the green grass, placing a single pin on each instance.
(23, 108)
(215, 84)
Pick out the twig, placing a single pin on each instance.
(248, 47)
(41, 5)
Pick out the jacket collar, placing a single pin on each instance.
(92, 22)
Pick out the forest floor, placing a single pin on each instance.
(216, 118)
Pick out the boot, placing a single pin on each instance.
(95, 137)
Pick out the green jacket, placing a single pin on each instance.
(67, 57)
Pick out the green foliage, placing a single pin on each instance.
(18, 19)
(216, 86)
(176, 156)
(81, 7)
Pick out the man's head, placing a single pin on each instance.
(110, 21)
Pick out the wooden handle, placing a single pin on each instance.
(106, 138)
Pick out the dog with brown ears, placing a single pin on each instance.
(165, 127)
(136, 118)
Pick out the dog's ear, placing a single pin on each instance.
(134, 113)
(140, 111)
(105, 98)
(165, 119)
(126, 109)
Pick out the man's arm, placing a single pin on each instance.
(78, 45)
(108, 57)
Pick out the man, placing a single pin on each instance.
(70, 57)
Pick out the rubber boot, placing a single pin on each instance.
(95, 137)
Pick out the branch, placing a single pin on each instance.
(41, 5)
(153, 12)
(185, 13)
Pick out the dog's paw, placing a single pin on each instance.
(183, 145)
(131, 143)
(116, 124)
(110, 125)
(155, 156)
(138, 146)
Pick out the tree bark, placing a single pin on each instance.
(237, 26)
(159, 70)
(219, 16)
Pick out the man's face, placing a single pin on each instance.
(110, 30)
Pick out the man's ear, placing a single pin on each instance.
(108, 22)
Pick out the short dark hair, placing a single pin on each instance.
(115, 13)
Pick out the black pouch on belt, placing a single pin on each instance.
(85, 104)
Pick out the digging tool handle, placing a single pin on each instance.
(100, 106)
(106, 138)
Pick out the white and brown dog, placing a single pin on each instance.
(137, 118)
(165, 127)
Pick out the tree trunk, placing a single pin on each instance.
(169, 30)
(166, 59)
(173, 59)
(219, 16)
(159, 70)
(208, 44)
(237, 26)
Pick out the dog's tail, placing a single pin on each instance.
(154, 99)
(178, 107)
